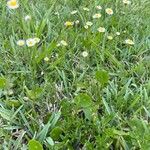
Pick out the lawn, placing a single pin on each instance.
(75, 75)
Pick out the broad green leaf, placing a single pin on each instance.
(34, 93)
(56, 133)
(88, 112)
(13, 103)
(55, 119)
(106, 106)
(120, 133)
(51, 123)
(102, 77)
(2, 82)
(6, 114)
(35, 145)
(83, 100)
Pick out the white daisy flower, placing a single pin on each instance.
(46, 59)
(98, 7)
(109, 11)
(129, 42)
(74, 12)
(30, 42)
(20, 42)
(56, 13)
(109, 37)
(12, 4)
(37, 40)
(77, 22)
(86, 9)
(97, 16)
(118, 33)
(89, 23)
(86, 26)
(127, 2)
(63, 43)
(101, 29)
(85, 54)
(27, 18)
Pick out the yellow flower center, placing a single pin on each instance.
(13, 3)
(30, 43)
(68, 23)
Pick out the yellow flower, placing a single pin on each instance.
(69, 23)
(12, 4)
(109, 11)
(20, 42)
(74, 12)
(37, 40)
(98, 7)
(63, 43)
(126, 2)
(30, 42)
(97, 16)
(129, 42)
(85, 54)
(101, 29)
(109, 37)
(46, 59)
(85, 8)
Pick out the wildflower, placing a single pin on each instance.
(74, 12)
(98, 7)
(101, 29)
(10, 92)
(37, 40)
(25, 98)
(77, 22)
(109, 11)
(85, 8)
(42, 73)
(58, 45)
(30, 42)
(27, 18)
(63, 43)
(12, 4)
(129, 42)
(68, 23)
(109, 37)
(20, 42)
(86, 26)
(85, 54)
(89, 23)
(118, 33)
(97, 16)
(126, 2)
(46, 59)
(56, 13)
(56, 55)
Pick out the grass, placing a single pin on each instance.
(71, 102)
